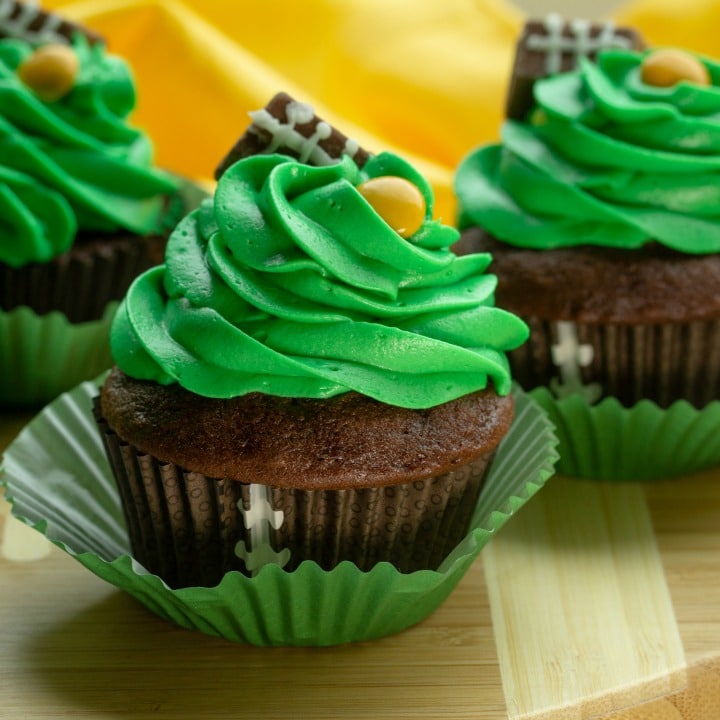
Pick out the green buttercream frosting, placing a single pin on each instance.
(289, 283)
(73, 164)
(603, 159)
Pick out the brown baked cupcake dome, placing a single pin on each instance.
(300, 381)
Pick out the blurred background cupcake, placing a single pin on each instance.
(312, 374)
(600, 208)
(83, 210)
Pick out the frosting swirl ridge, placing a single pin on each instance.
(603, 159)
(73, 163)
(289, 283)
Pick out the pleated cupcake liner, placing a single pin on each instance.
(97, 270)
(630, 402)
(607, 441)
(190, 529)
(42, 356)
(81, 283)
(58, 480)
(660, 362)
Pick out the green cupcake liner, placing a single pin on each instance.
(42, 356)
(58, 481)
(608, 441)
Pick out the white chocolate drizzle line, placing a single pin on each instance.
(19, 27)
(285, 135)
(579, 44)
(258, 520)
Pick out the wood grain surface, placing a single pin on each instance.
(581, 611)
(74, 647)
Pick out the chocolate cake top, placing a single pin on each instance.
(547, 47)
(652, 284)
(348, 440)
(292, 128)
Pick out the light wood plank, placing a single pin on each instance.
(19, 543)
(582, 614)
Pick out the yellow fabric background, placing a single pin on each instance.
(425, 78)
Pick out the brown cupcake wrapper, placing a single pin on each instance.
(660, 362)
(191, 529)
(81, 282)
(97, 270)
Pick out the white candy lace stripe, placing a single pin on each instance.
(19, 27)
(580, 44)
(569, 356)
(284, 134)
(351, 148)
(258, 520)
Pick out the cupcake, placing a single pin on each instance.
(57, 478)
(312, 374)
(599, 209)
(83, 209)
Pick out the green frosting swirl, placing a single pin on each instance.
(604, 160)
(289, 283)
(73, 164)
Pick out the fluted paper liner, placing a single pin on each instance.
(80, 283)
(662, 362)
(608, 441)
(42, 356)
(66, 491)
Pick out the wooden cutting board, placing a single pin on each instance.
(598, 600)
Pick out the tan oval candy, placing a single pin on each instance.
(50, 72)
(667, 67)
(397, 201)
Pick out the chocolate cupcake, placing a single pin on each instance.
(83, 515)
(285, 480)
(84, 211)
(312, 374)
(599, 208)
